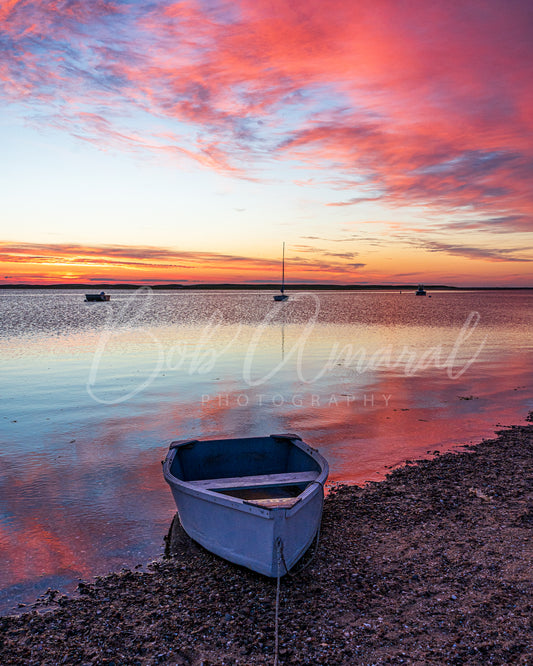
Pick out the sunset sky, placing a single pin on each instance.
(384, 141)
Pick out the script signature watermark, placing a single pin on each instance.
(200, 356)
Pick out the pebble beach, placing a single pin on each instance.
(432, 565)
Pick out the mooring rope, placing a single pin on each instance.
(280, 559)
(279, 546)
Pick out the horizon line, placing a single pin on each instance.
(249, 286)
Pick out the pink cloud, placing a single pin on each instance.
(427, 103)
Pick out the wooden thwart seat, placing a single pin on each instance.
(275, 502)
(288, 478)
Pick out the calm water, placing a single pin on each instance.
(92, 393)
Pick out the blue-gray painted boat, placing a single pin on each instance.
(255, 501)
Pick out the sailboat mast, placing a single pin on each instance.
(282, 296)
(283, 270)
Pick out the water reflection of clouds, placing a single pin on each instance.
(124, 364)
(81, 514)
(82, 491)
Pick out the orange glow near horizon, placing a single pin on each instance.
(51, 264)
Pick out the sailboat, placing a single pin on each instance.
(282, 296)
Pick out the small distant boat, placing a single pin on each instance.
(420, 291)
(102, 296)
(254, 501)
(282, 296)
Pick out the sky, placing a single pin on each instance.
(384, 141)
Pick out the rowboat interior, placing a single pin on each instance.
(274, 473)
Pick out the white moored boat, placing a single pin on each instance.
(282, 296)
(102, 296)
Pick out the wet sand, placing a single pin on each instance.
(433, 565)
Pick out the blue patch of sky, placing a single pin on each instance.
(477, 162)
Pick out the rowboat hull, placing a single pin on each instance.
(267, 534)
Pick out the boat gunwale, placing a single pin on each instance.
(238, 503)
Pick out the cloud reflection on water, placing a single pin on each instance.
(82, 490)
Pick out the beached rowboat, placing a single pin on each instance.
(255, 501)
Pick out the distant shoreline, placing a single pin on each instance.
(258, 287)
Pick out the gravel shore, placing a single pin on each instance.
(433, 565)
